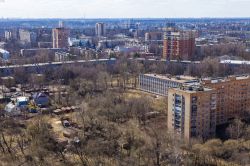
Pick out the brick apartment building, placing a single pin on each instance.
(191, 111)
(60, 37)
(178, 45)
(195, 111)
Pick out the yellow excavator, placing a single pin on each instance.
(32, 107)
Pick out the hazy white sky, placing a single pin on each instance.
(123, 8)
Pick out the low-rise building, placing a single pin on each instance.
(45, 44)
(159, 84)
(40, 52)
(5, 55)
(64, 56)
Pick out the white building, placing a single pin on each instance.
(5, 55)
(27, 37)
(159, 84)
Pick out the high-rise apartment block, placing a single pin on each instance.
(100, 29)
(7, 35)
(61, 24)
(27, 37)
(60, 37)
(178, 45)
(233, 97)
(192, 112)
(195, 112)
(10, 34)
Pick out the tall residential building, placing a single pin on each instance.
(10, 34)
(153, 36)
(159, 84)
(60, 37)
(191, 112)
(178, 45)
(100, 29)
(61, 24)
(233, 97)
(216, 101)
(27, 37)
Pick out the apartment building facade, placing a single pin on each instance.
(27, 37)
(100, 29)
(178, 45)
(233, 97)
(195, 112)
(192, 112)
(60, 37)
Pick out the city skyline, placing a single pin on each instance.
(123, 9)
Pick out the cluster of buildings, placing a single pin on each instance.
(33, 42)
(197, 106)
(182, 40)
(176, 44)
(22, 104)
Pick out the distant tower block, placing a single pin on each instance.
(61, 24)
(100, 29)
(60, 37)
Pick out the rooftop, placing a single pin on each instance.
(22, 99)
(195, 88)
(230, 78)
(180, 79)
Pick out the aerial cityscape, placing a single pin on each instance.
(124, 83)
